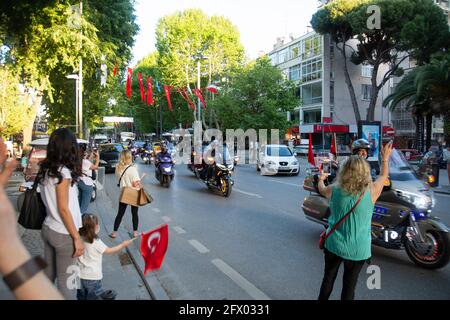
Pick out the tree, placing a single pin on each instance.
(404, 33)
(258, 97)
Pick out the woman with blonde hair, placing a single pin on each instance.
(128, 176)
(350, 242)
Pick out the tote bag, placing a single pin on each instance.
(33, 211)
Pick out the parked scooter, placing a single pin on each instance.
(402, 215)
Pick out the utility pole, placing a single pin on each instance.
(198, 86)
(80, 79)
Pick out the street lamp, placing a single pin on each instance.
(77, 102)
(199, 57)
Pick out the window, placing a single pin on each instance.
(312, 70)
(311, 47)
(366, 91)
(331, 92)
(294, 73)
(283, 55)
(312, 93)
(366, 71)
(294, 51)
(274, 58)
(312, 116)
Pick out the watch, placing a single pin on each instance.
(25, 272)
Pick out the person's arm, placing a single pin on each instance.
(119, 247)
(62, 201)
(378, 184)
(97, 162)
(324, 190)
(136, 181)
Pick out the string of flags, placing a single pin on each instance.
(168, 89)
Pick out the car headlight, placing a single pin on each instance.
(270, 163)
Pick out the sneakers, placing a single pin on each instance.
(108, 295)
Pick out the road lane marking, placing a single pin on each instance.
(248, 287)
(156, 210)
(179, 230)
(248, 193)
(287, 183)
(197, 245)
(166, 218)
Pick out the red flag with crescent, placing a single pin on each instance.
(129, 75)
(141, 86)
(186, 97)
(154, 247)
(150, 100)
(167, 89)
(198, 93)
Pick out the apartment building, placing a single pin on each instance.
(315, 64)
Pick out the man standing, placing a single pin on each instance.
(446, 154)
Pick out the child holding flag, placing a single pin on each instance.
(90, 262)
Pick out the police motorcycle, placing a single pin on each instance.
(146, 154)
(164, 167)
(402, 217)
(215, 172)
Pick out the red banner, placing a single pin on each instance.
(310, 152)
(141, 86)
(198, 93)
(186, 97)
(128, 89)
(154, 247)
(167, 89)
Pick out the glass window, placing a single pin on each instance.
(283, 55)
(294, 52)
(366, 71)
(312, 93)
(279, 152)
(294, 73)
(312, 70)
(311, 47)
(312, 116)
(274, 58)
(366, 91)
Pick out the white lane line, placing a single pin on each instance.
(156, 210)
(197, 245)
(166, 218)
(179, 230)
(248, 193)
(248, 287)
(287, 183)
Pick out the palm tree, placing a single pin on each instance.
(426, 91)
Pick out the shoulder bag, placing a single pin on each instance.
(133, 197)
(33, 211)
(324, 235)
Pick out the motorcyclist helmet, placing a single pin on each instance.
(359, 144)
(163, 146)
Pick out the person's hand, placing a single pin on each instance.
(323, 176)
(79, 247)
(136, 184)
(386, 151)
(126, 243)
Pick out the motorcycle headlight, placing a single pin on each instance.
(419, 201)
(167, 169)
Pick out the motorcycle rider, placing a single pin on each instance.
(361, 148)
(209, 168)
(163, 153)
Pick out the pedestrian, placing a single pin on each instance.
(350, 243)
(90, 262)
(128, 176)
(22, 273)
(446, 155)
(86, 183)
(57, 177)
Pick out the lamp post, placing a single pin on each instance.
(77, 102)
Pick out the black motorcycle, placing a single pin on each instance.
(402, 215)
(221, 179)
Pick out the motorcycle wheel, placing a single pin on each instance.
(94, 194)
(438, 254)
(167, 181)
(226, 187)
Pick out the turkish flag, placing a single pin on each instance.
(333, 145)
(150, 92)
(141, 86)
(129, 75)
(115, 70)
(167, 89)
(310, 152)
(186, 97)
(154, 247)
(198, 93)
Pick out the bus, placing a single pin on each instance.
(126, 136)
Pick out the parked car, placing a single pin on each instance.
(275, 158)
(413, 156)
(109, 156)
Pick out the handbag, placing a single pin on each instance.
(33, 211)
(324, 236)
(118, 184)
(133, 197)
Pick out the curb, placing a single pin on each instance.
(152, 284)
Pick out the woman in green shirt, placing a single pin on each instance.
(350, 243)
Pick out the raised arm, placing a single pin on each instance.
(119, 247)
(324, 190)
(377, 185)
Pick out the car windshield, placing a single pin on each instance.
(279, 152)
(110, 148)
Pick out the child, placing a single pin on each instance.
(91, 261)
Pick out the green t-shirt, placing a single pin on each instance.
(352, 239)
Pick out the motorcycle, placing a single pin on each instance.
(221, 179)
(401, 219)
(146, 156)
(164, 171)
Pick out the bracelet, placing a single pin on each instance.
(24, 273)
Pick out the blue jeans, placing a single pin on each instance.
(90, 290)
(84, 196)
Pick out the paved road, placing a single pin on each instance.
(258, 245)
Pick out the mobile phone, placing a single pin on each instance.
(326, 167)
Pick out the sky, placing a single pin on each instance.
(260, 22)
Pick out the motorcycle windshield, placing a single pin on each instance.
(400, 169)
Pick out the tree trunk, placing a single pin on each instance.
(28, 130)
(349, 83)
(373, 95)
(429, 128)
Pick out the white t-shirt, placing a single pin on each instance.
(87, 172)
(129, 176)
(48, 195)
(91, 261)
(446, 155)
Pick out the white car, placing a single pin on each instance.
(276, 158)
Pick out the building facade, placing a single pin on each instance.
(313, 62)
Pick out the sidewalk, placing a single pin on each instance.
(119, 271)
(444, 187)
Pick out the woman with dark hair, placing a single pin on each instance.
(86, 183)
(57, 177)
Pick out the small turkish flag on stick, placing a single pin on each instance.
(310, 152)
(154, 247)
